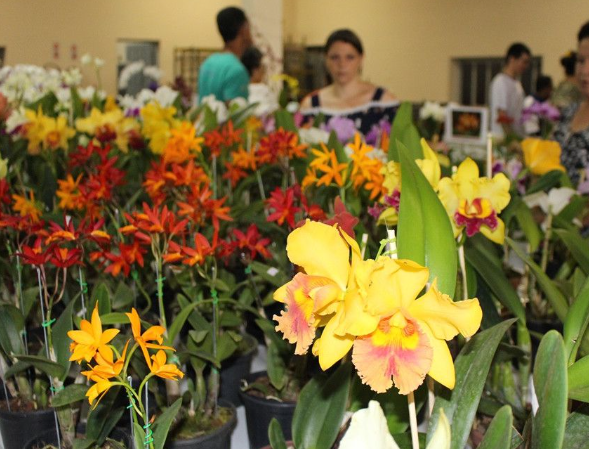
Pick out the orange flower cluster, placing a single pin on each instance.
(280, 144)
(366, 171)
(221, 138)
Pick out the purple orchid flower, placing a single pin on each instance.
(344, 128)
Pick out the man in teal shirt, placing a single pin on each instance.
(222, 74)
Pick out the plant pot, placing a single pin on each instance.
(234, 369)
(260, 411)
(49, 437)
(217, 439)
(18, 428)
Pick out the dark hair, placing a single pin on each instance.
(517, 50)
(252, 59)
(583, 32)
(568, 62)
(344, 35)
(229, 21)
(543, 82)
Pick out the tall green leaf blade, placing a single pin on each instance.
(578, 380)
(576, 322)
(70, 394)
(550, 382)
(526, 222)
(498, 435)
(489, 270)
(425, 233)
(162, 424)
(179, 321)
(11, 327)
(61, 341)
(404, 131)
(285, 120)
(554, 296)
(320, 410)
(578, 247)
(472, 367)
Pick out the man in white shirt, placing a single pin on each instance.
(507, 93)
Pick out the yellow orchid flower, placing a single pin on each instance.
(90, 339)
(3, 168)
(56, 132)
(33, 130)
(106, 367)
(154, 333)
(430, 167)
(157, 124)
(98, 390)
(160, 368)
(474, 203)
(372, 307)
(541, 156)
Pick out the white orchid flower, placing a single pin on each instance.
(368, 430)
(553, 202)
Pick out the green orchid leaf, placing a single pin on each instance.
(333, 143)
(576, 322)
(179, 322)
(123, 296)
(104, 417)
(578, 247)
(489, 269)
(578, 380)
(498, 435)
(424, 232)
(526, 222)
(275, 435)
(276, 367)
(550, 382)
(11, 327)
(114, 318)
(284, 119)
(554, 296)
(320, 410)
(100, 296)
(70, 394)
(472, 367)
(43, 364)
(546, 182)
(404, 131)
(162, 424)
(61, 341)
(576, 434)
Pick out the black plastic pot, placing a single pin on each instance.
(260, 411)
(18, 428)
(50, 438)
(233, 370)
(219, 438)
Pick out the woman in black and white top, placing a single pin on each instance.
(348, 95)
(573, 130)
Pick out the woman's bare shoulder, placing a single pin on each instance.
(388, 96)
(306, 102)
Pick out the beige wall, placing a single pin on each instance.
(29, 28)
(409, 43)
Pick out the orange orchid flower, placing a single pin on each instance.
(90, 339)
(154, 333)
(160, 368)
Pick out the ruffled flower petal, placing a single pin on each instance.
(442, 368)
(321, 251)
(393, 354)
(445, 317)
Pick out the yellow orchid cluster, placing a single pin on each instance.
(109, 125)
(91, 343)
(541, 156)
(158, 122)
(473, 203)
(45, 133)
(371, 306)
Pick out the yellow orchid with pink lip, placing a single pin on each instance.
(371, 307)
(474, 203)
(430, 167)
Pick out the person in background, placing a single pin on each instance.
(507, 94)
(222, 74)
(349, 95)
(259, 91)
(567, 92)
(572, 132)
(534, 103)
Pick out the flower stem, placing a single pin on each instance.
(413, 420)
(462, 261)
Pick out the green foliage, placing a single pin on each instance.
(472, 366)
(275, 435)
(424, 231)
(550, 381)
(403, 131)
(320, 410)
(70, 394)
(162, 424)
